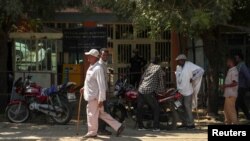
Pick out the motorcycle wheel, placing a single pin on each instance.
(172, 120)
(17, 113)
(64, 116)
(118, 112)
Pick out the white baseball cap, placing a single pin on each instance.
(93, 52)
(181, 57)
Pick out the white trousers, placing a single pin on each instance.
(93, 113)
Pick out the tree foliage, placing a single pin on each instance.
(12, 10)
(240, 13)
(124, 9)
(9, 12)
(186, 16)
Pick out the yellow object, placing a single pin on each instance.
(73, 73)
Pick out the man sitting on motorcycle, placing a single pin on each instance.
(152, 82)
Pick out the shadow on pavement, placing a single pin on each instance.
(32, 132)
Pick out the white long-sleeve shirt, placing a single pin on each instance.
(95, 84)
(183, 76)
(105, 70)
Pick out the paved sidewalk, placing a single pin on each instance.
(40, 128)
(48, 132)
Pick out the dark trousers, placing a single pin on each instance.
(240, 102)
(102, 125)
(151, 101)
(135, 78)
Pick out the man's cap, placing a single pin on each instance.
(181, 57)
(93, 52)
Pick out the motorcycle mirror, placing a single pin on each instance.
(125, 81)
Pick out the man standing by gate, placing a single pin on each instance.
(95, 93)
(104, 62)
(137, 64)
(188, 77)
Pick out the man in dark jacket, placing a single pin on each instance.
(244, 83)
(136, 66)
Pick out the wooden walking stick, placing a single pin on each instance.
(79, 113)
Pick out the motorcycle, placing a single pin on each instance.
(125, 105)
(27, 97)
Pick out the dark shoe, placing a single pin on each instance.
(120, 130)
(182, 127)
(141, 128)
(105, 133)
(190, 127)
(89, 136)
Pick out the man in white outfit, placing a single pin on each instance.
(104, 63)
(188, 77)
(95, 93)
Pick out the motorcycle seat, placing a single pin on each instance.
(49, 91)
